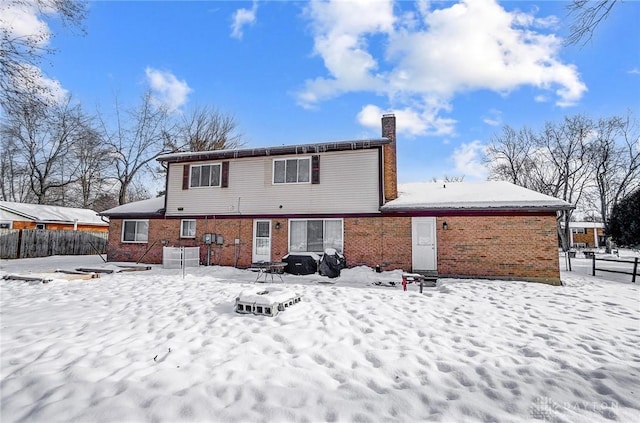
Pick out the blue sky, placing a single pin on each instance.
(301, 72)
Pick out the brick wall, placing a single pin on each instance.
(520, 247)
(587, 238)
(384, 241)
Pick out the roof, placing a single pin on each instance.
(191, 156)
(148, 207)
(586, 225)
(53, 214)
(489, 195)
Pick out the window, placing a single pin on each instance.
(40, 226)
(135, 231)
(205, 176)
(5, 225)
(188, 228)
(579, 230)
(292, 171)
(315, 235)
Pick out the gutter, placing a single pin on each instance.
(273, 151)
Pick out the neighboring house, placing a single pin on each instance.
(261, 204)
(38, 216)
(586, 234)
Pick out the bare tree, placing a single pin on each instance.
(205, 129)
(135, 140)
(14, 177)
(45, 136)
(616, 162)
(93, 161)
(510, 155)
(565, 174)
(587, 15)
(21, 53)
(555, 161)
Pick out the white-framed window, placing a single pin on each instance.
(205, 175)
(292, 171)
(579, 230)
(188, 228)
(135, 231)
(41, 226)
(5, 225)
(315, 235)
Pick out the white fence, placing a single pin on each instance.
(180, 257)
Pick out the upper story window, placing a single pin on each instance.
(135, 231)
(292, 171)
(205, 175)
(579, 230)
(41, 226)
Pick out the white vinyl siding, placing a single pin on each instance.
(135, 231)
(350, 184)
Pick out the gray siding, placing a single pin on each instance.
(348, 184)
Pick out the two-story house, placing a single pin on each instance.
(263, 203)
(586, 234)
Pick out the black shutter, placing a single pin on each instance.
(185, 176)
(224, 177)
(315, 169)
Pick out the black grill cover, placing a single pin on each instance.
(300, 264)
(331, 263)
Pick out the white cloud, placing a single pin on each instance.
(166, 89)
(22, 20)
(22, 23)
(468, 160)
(432, 54)
(410, 122)
(493, 118)
(45, 88)
(241, 18)
(634, 71)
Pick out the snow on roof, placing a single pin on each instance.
(143, 207)
(53, 214)
(273, 151)
(470, 195)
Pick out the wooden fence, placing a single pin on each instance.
(28, 243)
(633, 264)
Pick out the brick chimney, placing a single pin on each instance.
(390, 167)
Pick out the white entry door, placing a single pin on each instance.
(423, 245)
(261, 240)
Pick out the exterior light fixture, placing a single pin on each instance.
(277, 225)
(445, 226)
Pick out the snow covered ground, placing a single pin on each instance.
(152, 346)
